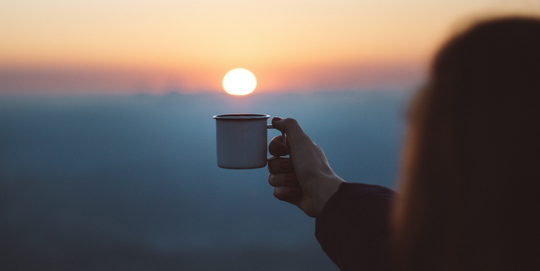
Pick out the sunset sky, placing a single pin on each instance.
(158, 46)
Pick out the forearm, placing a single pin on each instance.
(354, 227)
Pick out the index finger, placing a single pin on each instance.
(277, 147)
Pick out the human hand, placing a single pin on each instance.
(305, 179)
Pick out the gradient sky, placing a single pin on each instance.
(121, 46)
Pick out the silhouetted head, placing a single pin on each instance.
(470, 188)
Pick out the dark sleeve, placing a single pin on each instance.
(354, 227)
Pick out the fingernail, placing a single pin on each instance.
(294, 190)
(277, 119)
(285, 164)
(289, 179)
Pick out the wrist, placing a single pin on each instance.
(326, 191)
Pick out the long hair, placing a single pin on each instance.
(470, 191)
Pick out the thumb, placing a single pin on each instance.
(292, 129)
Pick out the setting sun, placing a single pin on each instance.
(239, 82)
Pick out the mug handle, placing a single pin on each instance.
(283, 136)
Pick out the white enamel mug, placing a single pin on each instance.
(241, 140)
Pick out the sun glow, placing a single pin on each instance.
(239, 82)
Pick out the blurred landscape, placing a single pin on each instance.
(131, 182)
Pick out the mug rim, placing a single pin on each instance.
(241, 116)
